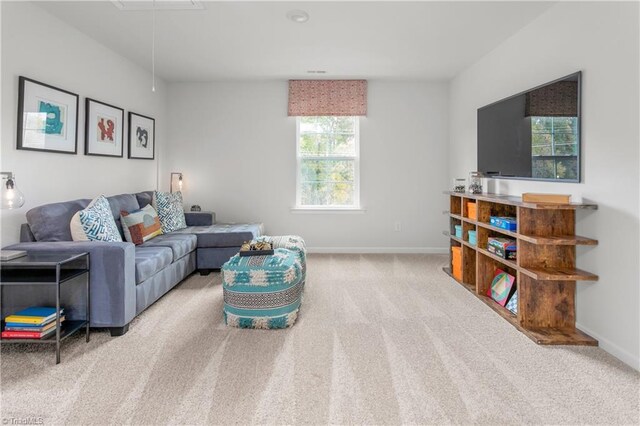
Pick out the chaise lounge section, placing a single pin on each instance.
(126, 279)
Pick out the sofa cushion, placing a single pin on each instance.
(144, 198)
(180, 244)
(95, 223)
(224, 234)
(140, 225)
(118, 203)
(51, 222)
(170, 209)
(151, 260)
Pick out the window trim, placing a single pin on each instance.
(356, 174)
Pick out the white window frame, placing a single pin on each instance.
(356, 173)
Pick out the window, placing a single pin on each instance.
(328, 162)
(554, 147)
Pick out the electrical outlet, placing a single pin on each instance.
(397, 227)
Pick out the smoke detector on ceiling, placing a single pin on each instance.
(298, 16)
(131, 5)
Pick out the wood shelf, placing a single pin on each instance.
(490, 227)
(517, 201)
(558, 274)
(509, 263)
(560, 240)
(542, 336)
(545, 236)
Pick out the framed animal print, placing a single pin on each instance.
(142, 133)
(47, 118)
(104, 129)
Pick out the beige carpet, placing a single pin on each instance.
(381, 339)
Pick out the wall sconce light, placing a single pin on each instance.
(179, 180)
(12, 197)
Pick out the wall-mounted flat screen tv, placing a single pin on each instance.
(533, 135)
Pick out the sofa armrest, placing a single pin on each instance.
(112, 273)
(200, 218)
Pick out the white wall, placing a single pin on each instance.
(236, 147)
(601, 39)
(39, 46)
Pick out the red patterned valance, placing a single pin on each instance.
(327, 97)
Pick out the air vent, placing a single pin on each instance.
(131, 5)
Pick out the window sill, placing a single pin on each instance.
(315, 210)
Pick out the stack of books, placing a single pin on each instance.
(36, 322)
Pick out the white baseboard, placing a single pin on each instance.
(615, 350)
(371, 250)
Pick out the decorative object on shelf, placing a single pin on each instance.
(456, 262)
(512, 304)
(35, 322)
(12, 197)
(475, 182)
(471, 236)
(196, 208)
(472, 211)
(508, 223)
(459, 185)
(11, 254)
(501, 287)
(458, 229)
(256, 248)
(530, 197)
(47, 118)
(176, 178)
(506, 248)
(103, 129)
(142, 133)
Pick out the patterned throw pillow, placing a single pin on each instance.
(95, 223)
(140, 225)
(170, 209)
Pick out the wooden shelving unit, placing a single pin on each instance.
(545, 268)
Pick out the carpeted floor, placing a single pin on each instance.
(381, 339)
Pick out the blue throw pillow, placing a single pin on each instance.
(170, 210)
(95, 223)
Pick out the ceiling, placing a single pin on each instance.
(255, 40)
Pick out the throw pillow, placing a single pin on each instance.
(140, 225)
(95, 223)
(170, 209)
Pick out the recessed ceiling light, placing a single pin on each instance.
(298, 16)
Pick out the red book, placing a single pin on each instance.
(24, 334)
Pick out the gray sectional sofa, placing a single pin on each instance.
(126, 279)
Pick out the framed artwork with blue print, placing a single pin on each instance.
(142, 135)
(47, 118)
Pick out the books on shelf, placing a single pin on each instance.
(36, 322)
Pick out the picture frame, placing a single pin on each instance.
(104, 129)
(47, 118)
(142, 133)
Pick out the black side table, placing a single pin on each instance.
(49, 269)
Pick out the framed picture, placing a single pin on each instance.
(104, 129)
(47, 118)
(142, 133)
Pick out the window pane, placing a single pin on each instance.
(324, 179)
(327, 170)
(327, 136)
(327, 194)
(318, 144)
